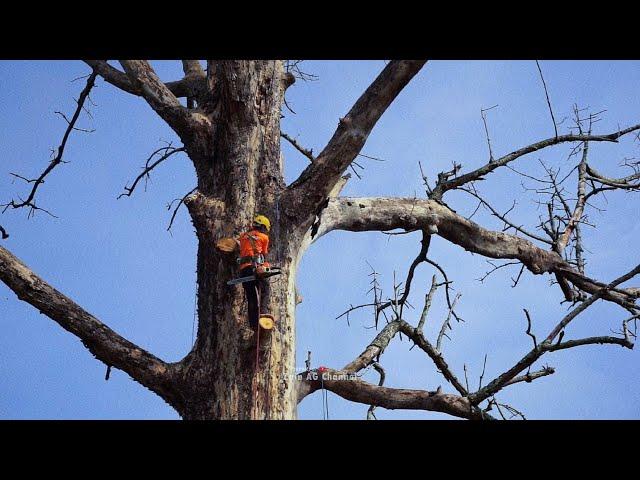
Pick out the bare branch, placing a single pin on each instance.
(382, 374)
(484, 368)
(312, 187)
(57, 159)
(427, 303)
(499, 382)
(447, 323)
(168, 151)
(436, 356)
(495, 268)
(622, 183)
(186, 87)
(546, 93)
(349, 387)
(624, 342)
(4, 233)
(192, 68)
(177, 207)
(486, 129)
(530, 377)
(421, 257)
(375, 348)
(503, 217)
(600, 293)
(528, 332)
(479, 173)
(306, 152)
(105, 344)
(292, 67)
(161, 99)
(575, 217)
(383, 214)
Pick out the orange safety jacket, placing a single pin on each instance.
(254, 245)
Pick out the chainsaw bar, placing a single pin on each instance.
(251, 278)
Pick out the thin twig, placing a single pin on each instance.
(380, 370)
(57, 160)
(535, 343)
(168, 152)
(427, 303)
(486, 129)
(447, 323)
(544, 84)
(175, 210)
(484, 367)
(305, 151)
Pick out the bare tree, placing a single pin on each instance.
(230, 129)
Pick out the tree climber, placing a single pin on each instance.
(254, 245)
(254, 269)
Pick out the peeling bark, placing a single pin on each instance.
(381, 214)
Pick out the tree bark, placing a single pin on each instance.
(240, 175)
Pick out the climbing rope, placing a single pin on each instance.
(257, 372)
(325, 397)
(268, 399)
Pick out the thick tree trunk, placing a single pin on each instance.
(240, 175)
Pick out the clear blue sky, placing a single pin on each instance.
(115, 258)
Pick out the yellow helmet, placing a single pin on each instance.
(262, 220)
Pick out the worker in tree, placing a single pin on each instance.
(254, 245)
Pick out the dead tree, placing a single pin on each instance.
(230, 129)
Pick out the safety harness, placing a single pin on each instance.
(255, 260)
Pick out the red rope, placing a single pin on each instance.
(255, 381)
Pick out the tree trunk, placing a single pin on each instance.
(240, 175)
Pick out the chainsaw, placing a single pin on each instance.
(268, 272)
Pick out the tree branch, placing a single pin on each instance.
(530, 377)
(624, 342)
(503, 217)
(148, 167)
(547, 346)
(383, 214)
(305, 151)
(623, 183)
(375, 348)
(575, 217)
(192, 68)
(186, 87)
(105, 344)
(382, 374)
(161, 99)
(479, 173)
(312, 187)
(436, 356)
(349, 387)
(427, 303)
(57, 160)
(181, 201)
(546, 93)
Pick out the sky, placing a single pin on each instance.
(116, 259)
